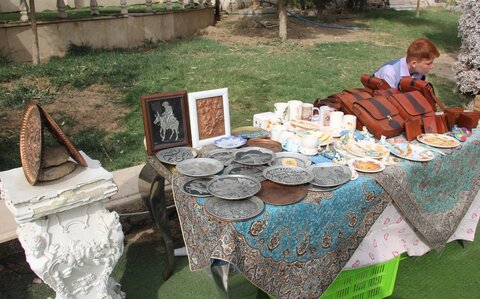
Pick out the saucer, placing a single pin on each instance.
(308, 151)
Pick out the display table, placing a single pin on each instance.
(296, 251)
(70, 240)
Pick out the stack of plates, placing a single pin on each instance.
(329, 176)
(234, 198)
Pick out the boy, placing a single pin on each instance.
(419, 62)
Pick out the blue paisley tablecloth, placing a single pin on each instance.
(296, 251)
(293, 251)
(435, 196)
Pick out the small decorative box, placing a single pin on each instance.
(266, 120)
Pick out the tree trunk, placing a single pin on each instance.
(417, 14)
(33, 20)
(282, 20)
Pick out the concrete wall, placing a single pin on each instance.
(101, 32)
(14, 5)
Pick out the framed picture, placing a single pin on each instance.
(165, 120)
(209, 116)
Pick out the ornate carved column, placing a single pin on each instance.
(124, 7)
(71, 241)
(94, 8)
(148, 5)
(61, 9)
(23, 11)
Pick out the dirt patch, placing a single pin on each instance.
(97, 105)
(234, 30)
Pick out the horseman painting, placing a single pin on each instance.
(165, 119)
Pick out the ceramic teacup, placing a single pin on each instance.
(292, 144)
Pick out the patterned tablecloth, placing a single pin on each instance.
(293, 251)
(296, 251)
(435, 196)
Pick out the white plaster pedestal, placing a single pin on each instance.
(71, 241)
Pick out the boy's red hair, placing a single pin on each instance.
(422, 49)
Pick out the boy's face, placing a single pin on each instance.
(423, 66)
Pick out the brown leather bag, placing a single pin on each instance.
(408, 84)
(373, 82)
(468, 119)
(413, 128)
(442, 124)
(386, 92)
(342, 101)
(412, 105)
(380, 116)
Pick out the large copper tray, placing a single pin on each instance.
(62, 138)
(31, 142)
(270, 144)
(280, 195)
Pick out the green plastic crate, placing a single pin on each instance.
(371, 282)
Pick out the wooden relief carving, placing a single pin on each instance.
(210, 117)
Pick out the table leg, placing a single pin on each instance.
(220, 270)
(151, 186)
(158, 208)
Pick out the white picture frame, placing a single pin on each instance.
(209, 116)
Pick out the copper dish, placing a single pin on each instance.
(62, 138)
(31, 143)
(270, 144)
(280, 195)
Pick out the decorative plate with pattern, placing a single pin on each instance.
(233, 187)
(234, 210)
(288, 175)
(176, 155)
(255, 171)
(253, 156)
(330, 174)
(199, 167)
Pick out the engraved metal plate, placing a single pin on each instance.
(31, 142)
(288, 175)
(251, 170)
(223, 155)
(199, 167)
(233, 187)
(196, 187)
(176, 155)
(234, 210)
(62, 138)
(253, 156)
(330, 174)
(291, 159)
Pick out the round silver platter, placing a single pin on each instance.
(196, 186)
(253, 171)
(199, 167)
(285, 159)
(233, 187)
(253, 156)
(330, 174)
(223, 155)
(176, 155)
(237, 210)
(288, 175)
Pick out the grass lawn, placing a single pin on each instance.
(256, 76)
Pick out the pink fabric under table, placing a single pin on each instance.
(391, 235)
